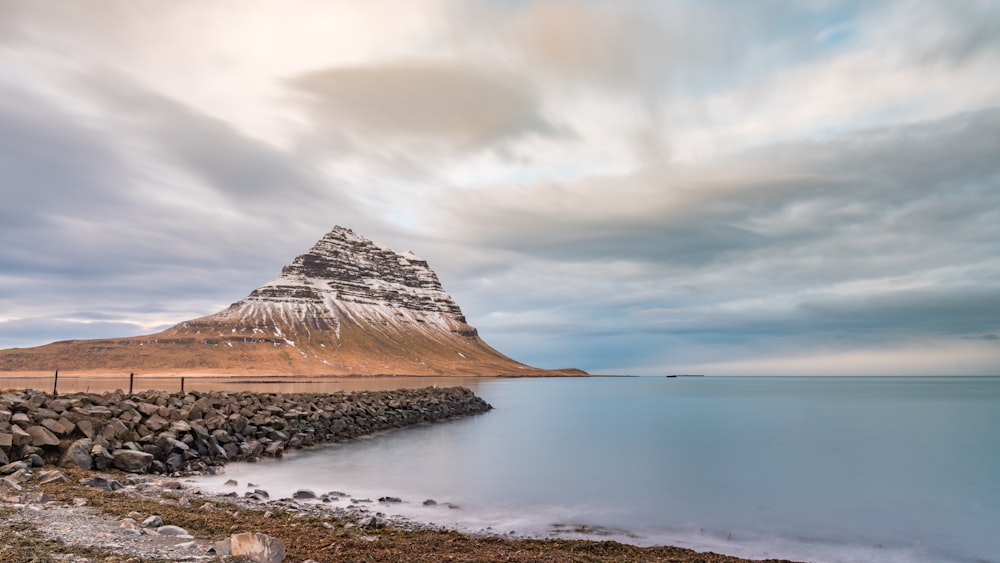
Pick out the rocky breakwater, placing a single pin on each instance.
(159, 432)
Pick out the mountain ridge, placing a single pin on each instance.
(347, 306)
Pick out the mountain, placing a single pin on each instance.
(348, 306)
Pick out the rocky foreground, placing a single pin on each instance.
(158, 432)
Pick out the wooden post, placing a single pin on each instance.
(55, 384)
(131, 379)
(182, 385)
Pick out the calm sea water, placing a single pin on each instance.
(820, 469)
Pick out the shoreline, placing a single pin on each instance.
(129, 438)
(103, 520)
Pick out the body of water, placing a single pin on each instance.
(811, 468)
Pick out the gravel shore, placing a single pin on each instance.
(119, 517)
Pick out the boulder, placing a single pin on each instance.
(56, 426)
(19, 436)
(86, 427)
(303, 494)
(6, 440)
(155, 422)
(78, 454)
(42, 436)
(131, 461)
(154, 521)
(102, 457)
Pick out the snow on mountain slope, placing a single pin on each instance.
(346, 306)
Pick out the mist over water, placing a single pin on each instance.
(822, 469)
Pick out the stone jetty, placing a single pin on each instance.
(160, 432)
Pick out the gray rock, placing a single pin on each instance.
(4, 460)
(54, 476)
(132, 461)
(78, 454)
(172, 531)
(56, 426)
(303, 494)
(369, 523)
(102, 483)
(430, 502)
(14, 467)
(155, 422)
(86, 427)
(19, 436)
(6, 440)
(35, 460)
(42, 436)
(153, 521)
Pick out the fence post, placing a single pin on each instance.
(182, 386)
(55, 384)
(131, 379)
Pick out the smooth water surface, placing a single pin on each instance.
(821, 469)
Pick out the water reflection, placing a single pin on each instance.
(98, 384)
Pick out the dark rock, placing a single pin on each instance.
(131, 461)
(102, 483)
(102, 457)
(390, 499)
(369, 523)
(86, 427)
(303, 494)
(78, 454)
(14, 467)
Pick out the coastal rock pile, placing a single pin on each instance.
(159, 432)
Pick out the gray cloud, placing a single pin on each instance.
(878, 236)
(602, 185)
(156, 204)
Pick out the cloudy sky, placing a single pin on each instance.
(722, 187)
